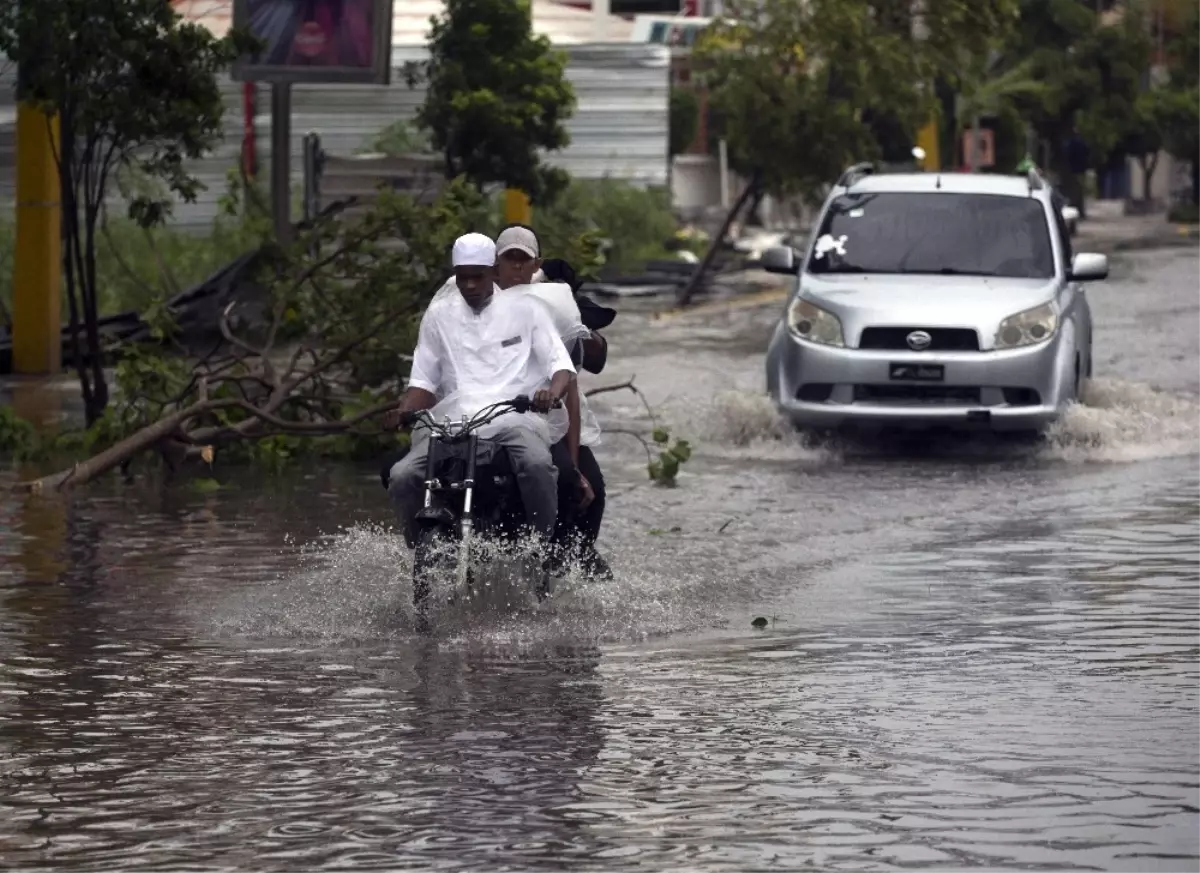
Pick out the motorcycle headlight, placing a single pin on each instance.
(1027, 328)
(810, 322)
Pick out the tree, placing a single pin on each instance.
(1182, 118)
(1145, 137)
(684, 119)
(800, 84)
(791, 80)
(496, 96)
(1090, 69)
(134, 87)
(1119, 54)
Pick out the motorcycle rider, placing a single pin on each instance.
(518, 253)
(476, 348)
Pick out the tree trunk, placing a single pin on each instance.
(752, 216)
(70, 228)
(714, 245)
(113, 457)
(92, 312)
(1149, 165)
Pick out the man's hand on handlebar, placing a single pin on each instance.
(546, 399)
(414, 401)
(400, 419)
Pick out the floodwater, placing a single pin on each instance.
(976, 655)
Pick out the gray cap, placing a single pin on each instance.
(520, 238)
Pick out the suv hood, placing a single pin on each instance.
(922, 301)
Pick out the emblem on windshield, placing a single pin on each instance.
(919, 340)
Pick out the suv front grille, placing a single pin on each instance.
(945, 339)
(932, 394)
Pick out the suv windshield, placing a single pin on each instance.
(967, 234)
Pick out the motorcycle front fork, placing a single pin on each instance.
(467, 522)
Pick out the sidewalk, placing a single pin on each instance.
(1107, 230)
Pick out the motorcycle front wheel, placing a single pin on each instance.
(433, 559)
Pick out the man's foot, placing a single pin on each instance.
(543, 586)
(595, 566)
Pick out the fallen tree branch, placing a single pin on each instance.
(605, 389)
(646, 444)
(627, 386)
(169, 426)
(114, 456)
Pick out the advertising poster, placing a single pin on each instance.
(317, 40)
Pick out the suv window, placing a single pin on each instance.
(968, 234)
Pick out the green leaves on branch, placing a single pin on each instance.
(684, 119)
(18, 438)
(665, 468)
(496, 96)
(134, 87)
(796, 82)
(316, 347)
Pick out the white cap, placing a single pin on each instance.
(474, 250)
(520, 238)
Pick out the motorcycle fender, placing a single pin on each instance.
(432, 516)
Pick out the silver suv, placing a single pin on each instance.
(934, 300)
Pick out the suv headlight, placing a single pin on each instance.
(810, 322)
(1027, 328)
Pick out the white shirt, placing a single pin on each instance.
(470, 360)
(559, 302)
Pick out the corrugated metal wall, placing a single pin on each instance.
(619, 129)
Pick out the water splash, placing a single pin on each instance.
(356, 585)
(1121, 421)
(1117, 422)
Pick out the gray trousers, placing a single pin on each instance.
(529, 456)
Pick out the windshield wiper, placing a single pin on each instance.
(842, 268)
(951, 271)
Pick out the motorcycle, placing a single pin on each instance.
(470, 493)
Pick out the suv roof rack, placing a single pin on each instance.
(1035, 180)
(853, 174)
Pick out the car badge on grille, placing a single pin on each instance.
(918, 340)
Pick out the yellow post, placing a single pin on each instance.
(927, 138)
(516, 207)
(37, 267)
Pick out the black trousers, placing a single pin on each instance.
(587, 523)
(584, 525)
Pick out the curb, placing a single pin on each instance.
(1171, 236)
(741, 301)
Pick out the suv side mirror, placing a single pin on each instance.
(780, 259)
(1089, 267)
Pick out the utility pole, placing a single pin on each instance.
(281, 160)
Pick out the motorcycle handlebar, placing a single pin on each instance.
(520, 404)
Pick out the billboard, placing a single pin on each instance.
(318, 41)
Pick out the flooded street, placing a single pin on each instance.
(976, 654)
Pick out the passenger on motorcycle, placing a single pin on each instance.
(519, 266)
(591, 354)
(476, 348)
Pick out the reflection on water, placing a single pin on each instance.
(1006, 690)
